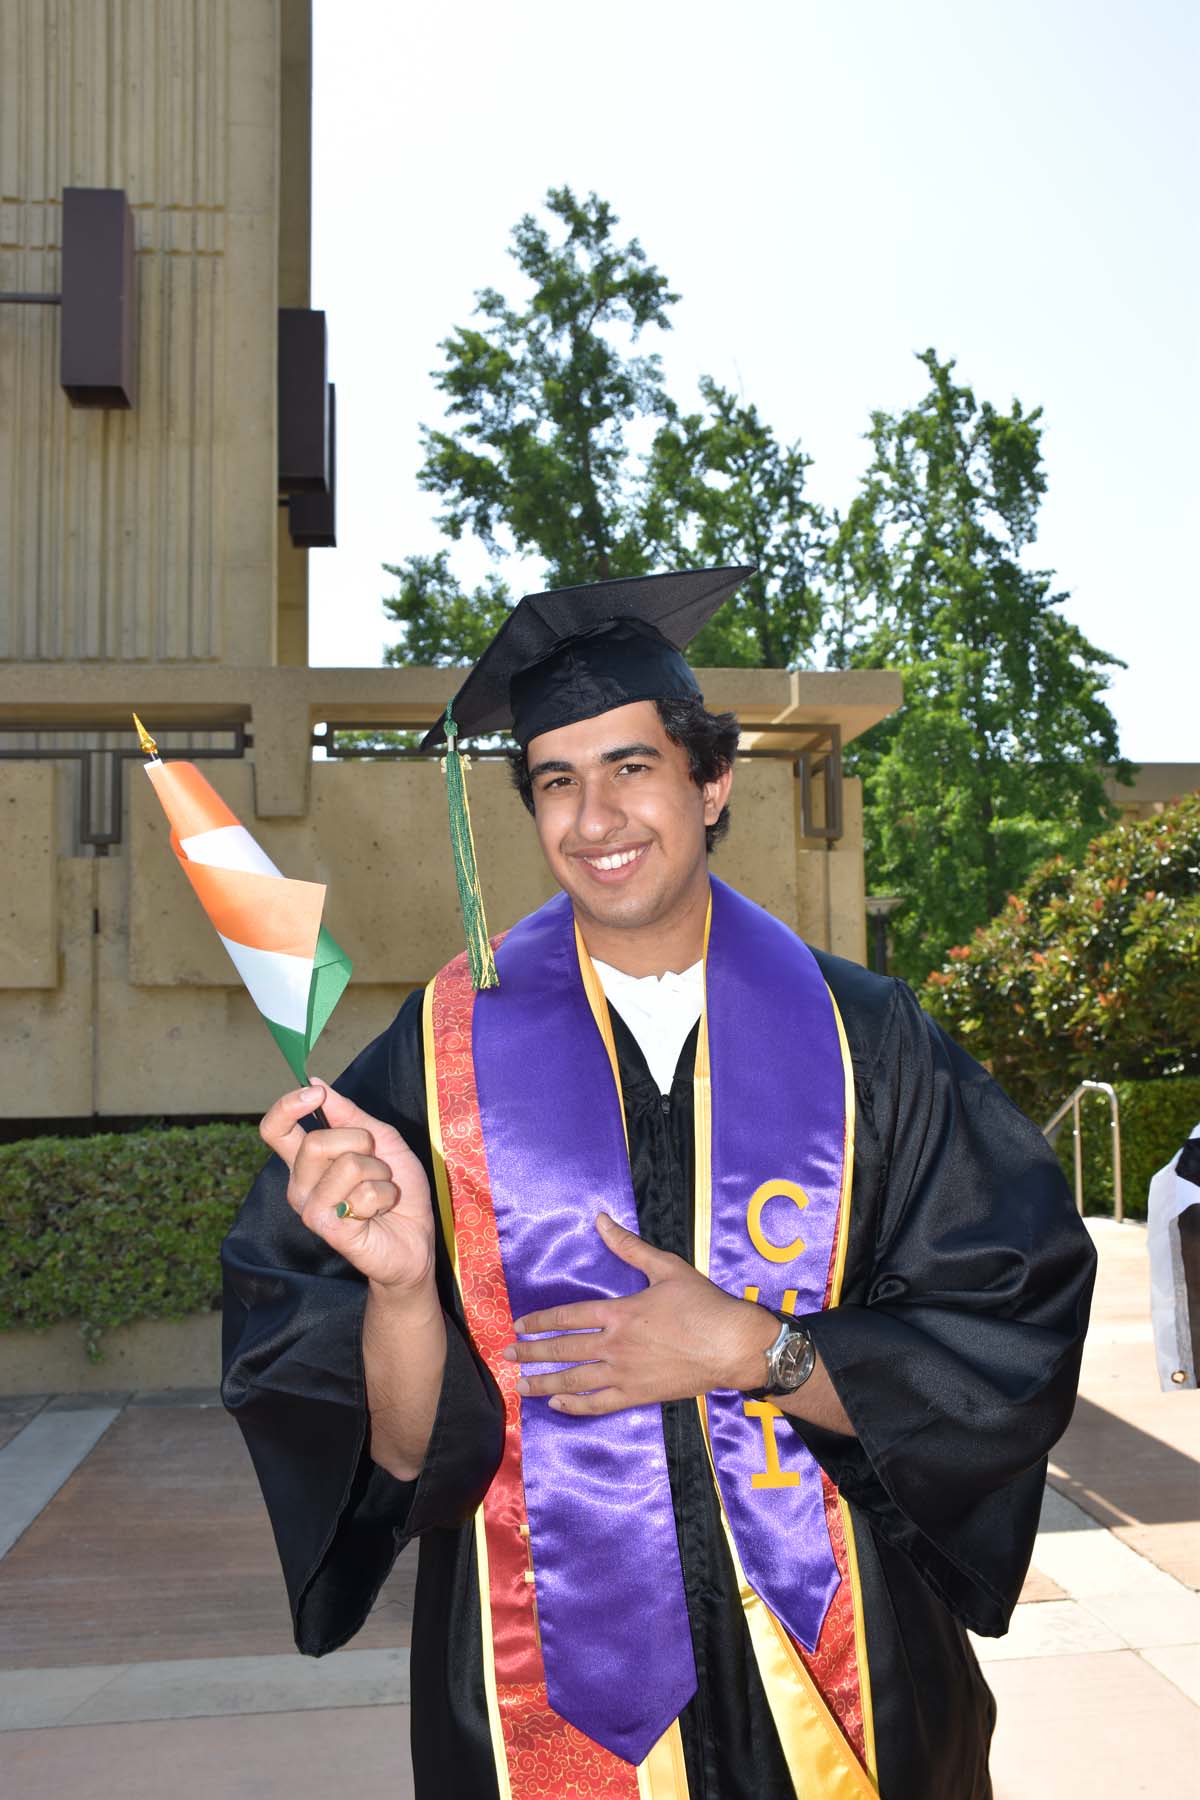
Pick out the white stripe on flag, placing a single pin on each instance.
(228, 847)
(278, 984)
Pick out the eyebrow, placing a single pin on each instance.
(622, 754)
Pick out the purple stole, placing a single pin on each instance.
(614, 1630)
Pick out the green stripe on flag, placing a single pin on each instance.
(294, 1047)
(331, 972)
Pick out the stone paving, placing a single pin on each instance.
(145, 1650)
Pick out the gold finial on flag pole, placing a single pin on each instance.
(146, 742)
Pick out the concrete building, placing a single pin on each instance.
(153, 554)
(1155, 786)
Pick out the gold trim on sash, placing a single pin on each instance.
(860, 1630)
(860, 1644)
(843, 1237)
(446, 1215)
(598, 1001)
(702, 1153)
(663, 1775)
(434, 1120)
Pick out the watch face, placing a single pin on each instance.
(795, 1361)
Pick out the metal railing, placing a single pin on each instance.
(101, 767)
(1071, 1104)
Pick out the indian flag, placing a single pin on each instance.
(270, 925)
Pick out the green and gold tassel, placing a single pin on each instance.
(466, 869)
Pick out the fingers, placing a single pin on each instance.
(280, 1128)
(605, 1400)
(581, 1378)
(351, 1225)
(354, 1183)
(580, 1315)
(560, 1349)
(631, 1248)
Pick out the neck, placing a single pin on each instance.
(672, 944)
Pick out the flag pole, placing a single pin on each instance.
(315, 1120)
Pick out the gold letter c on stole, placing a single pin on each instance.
(770, 1190)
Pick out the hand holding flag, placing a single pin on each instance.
(358, 1186)
(270, 926)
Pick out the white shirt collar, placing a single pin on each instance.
(659, 1010)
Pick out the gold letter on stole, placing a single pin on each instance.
(770, 1190)
(773, 1476)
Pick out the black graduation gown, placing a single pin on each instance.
(955, 1352)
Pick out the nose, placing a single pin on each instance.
(598, 815)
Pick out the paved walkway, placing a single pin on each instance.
(145, 1650)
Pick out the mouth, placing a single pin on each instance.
(610, 866)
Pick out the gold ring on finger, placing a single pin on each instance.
(344, 1210)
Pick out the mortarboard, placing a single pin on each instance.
(560, 657)
(577, 652)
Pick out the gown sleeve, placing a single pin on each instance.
(958, 1361)
(293, 1380)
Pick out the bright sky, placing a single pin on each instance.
(830, 187)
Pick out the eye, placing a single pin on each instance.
(554, 781)
(632, 768)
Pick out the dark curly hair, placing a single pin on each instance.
(710, 740)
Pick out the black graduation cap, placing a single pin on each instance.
(577, 652)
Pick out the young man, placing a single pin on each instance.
(706, 1312)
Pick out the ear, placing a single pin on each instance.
(716, 793)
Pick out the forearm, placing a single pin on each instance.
(816, 1402)
(404, 1356)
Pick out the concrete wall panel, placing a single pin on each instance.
(847, 880)
(29, 892)
(46, 1034)
(756, 857)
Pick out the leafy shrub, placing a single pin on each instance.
(1089, 972)
(119, 1226)
(1156, 1118)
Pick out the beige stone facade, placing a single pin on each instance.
(144, 563)
(1155, 786)
(148, 534)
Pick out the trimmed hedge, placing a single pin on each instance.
(119, 1226)
(1156, 1118)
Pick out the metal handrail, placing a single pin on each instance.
(1071, 1104)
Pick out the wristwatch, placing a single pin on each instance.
(791, 1359)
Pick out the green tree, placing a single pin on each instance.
(543, 396)
(1087, 971)
(545, 390)
(441, 621)
(998, 756)
(721, 488)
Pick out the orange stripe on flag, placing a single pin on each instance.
(188, 800)
(259, 910)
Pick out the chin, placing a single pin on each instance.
(627, 911)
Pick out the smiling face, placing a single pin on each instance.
(622, 826)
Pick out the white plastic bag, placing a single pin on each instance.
(1170, 1196)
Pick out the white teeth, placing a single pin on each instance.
(614, 862)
